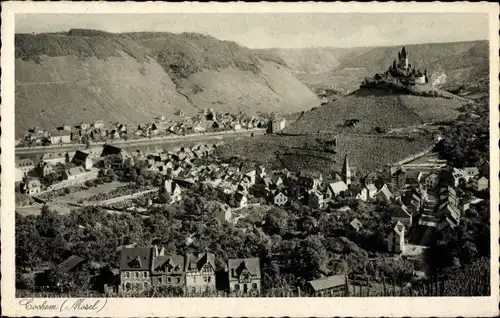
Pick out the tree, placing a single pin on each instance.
(50, 179)
(27, 240)
(164, 197)
(310, 258)
(90, 183)
(102, 172)
(276, 222)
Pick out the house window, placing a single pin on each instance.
(205, 279)
(137, 286)
(128, 286)
(193, 290)
(254, 285)
(169, 280)
(146, 285)
(146, 274)
(207, 289)
(236, 287)
(178, 280)
(136, 275)
(160, 280)
(209, 278)
(125, 274)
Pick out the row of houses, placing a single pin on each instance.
(160, 126)
(76, 169)
(143, 268)
(432, 199)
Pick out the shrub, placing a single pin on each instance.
(90, 183)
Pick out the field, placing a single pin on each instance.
(101, 189)
(315, 152)
(36, 208)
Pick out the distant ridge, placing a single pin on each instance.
(84, 75)
(462, 62)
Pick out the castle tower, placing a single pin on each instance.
(346, 171)
(404, 57)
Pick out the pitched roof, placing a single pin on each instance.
(471, 170)
(385, 191)
(173, 260)
(337, 186)
(238, 196)
(80, 155)
(413, 174)
(110, 150)
(52, 155)
(399, 211)
(356, 190)
(75, 171)
(399, 227)
(327, 282)
(140, 254)
(356, 224)
(193, 262)
(280, 193)
(239, 264)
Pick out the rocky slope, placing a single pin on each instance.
(83, 75)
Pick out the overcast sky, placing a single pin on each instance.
(280, 30)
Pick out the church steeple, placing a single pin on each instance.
(403, 52)
(346, 171)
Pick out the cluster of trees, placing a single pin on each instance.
(469, 242)
(294, 245)
(466, 143)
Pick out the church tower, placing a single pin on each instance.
(346, 171)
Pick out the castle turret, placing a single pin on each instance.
(403, 59)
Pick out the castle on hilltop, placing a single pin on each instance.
(401, 69)
(400, 73)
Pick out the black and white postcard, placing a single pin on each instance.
(249, 159)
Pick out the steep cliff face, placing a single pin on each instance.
(83, 75)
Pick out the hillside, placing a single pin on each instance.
(314, 153)
(463, 63)
(313, 60)
(375, 108)
(83, 75)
